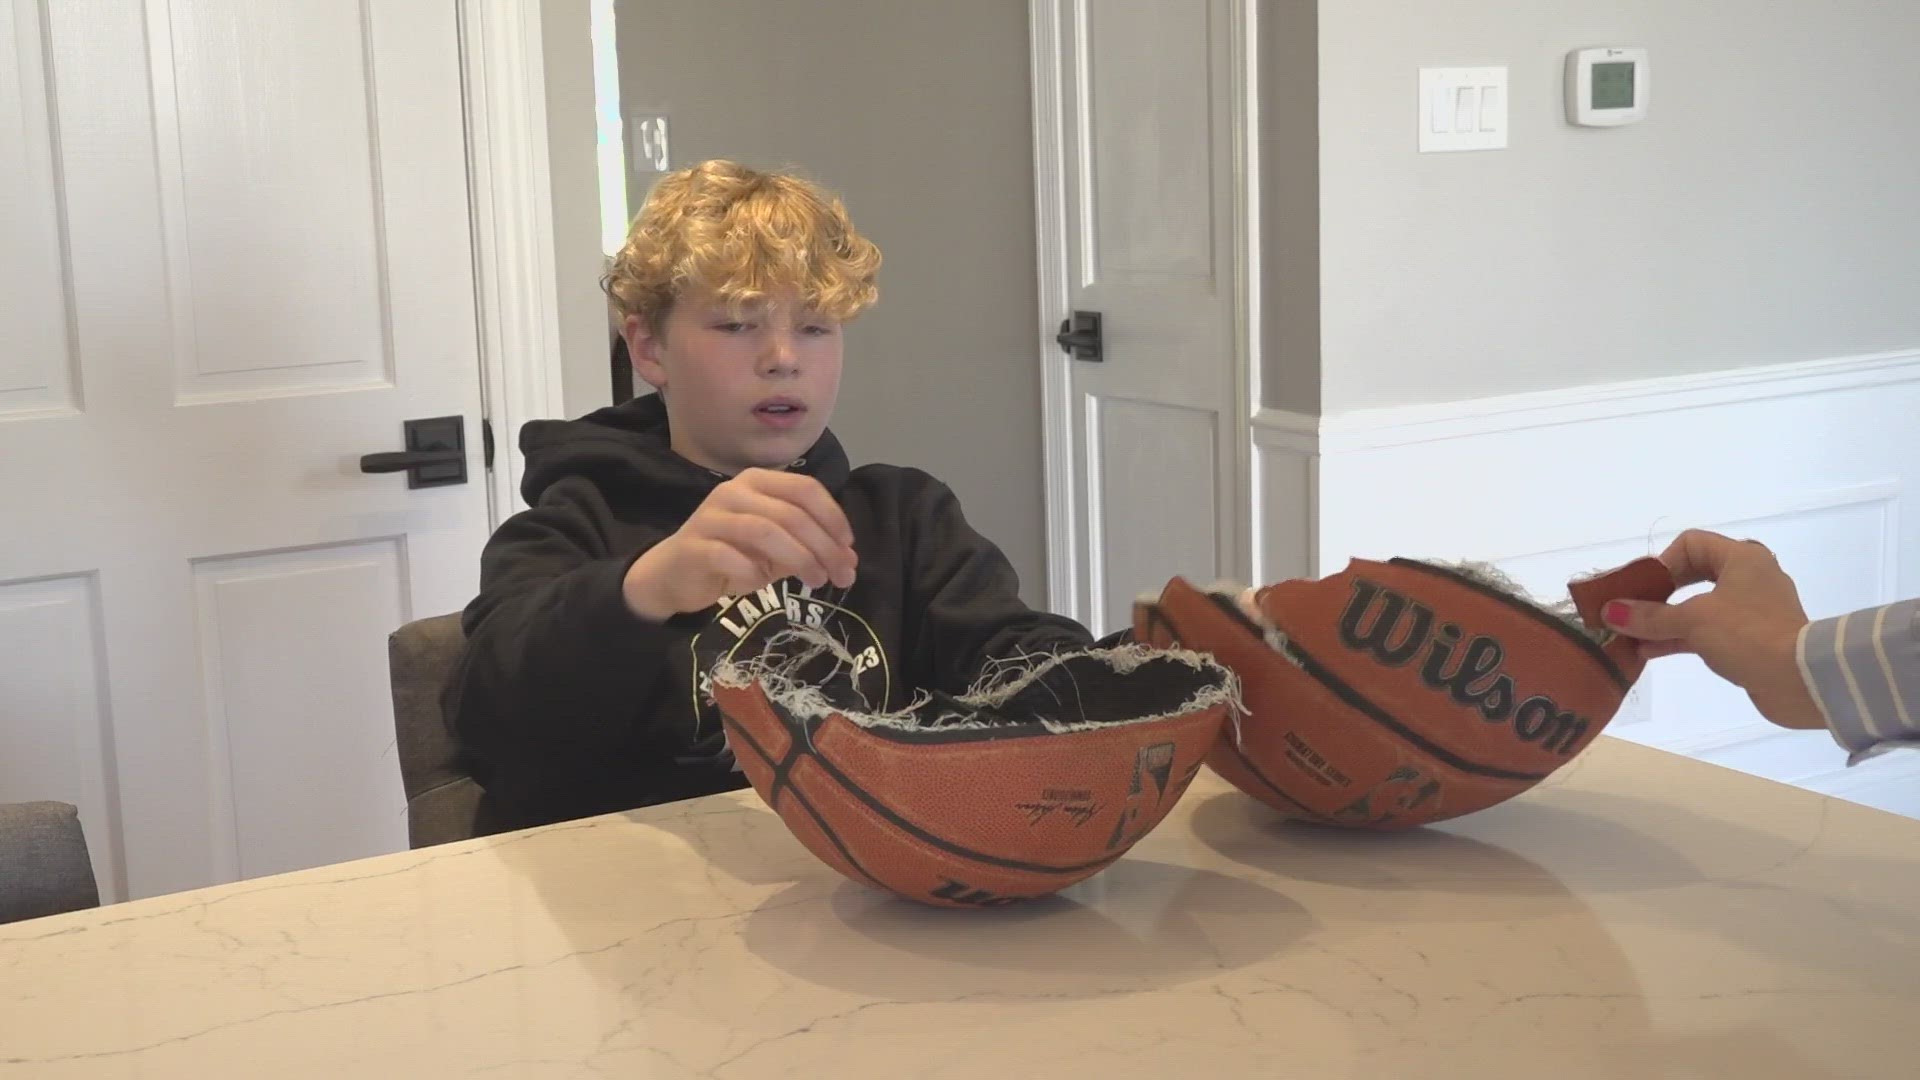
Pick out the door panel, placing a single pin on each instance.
(247, 261)
(1146, 127)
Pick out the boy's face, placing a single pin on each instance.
(746, 390)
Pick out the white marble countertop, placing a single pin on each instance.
(1640, 915)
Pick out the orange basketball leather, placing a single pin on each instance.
(1641, 579)
(972, 816)
(1402, 693)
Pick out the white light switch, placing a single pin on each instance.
(1493, 109)
(1463, 109)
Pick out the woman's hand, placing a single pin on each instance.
(1746, 628)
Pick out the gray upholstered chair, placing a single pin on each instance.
(443, 802)
(44, 868)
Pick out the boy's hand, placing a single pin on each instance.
(1746, 629)
(760, 527)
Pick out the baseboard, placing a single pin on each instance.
(1813, 458)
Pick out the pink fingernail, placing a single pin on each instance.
(1616, 613)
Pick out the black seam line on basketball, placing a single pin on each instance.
(841, 778)
(783, 769)
(1548, 619)
(800, 733)
(747, 738)
(799, 741)
(833, 838)
(780, 769)
(1380, 716)
(819, 819)
(783, 772)
(1232, 610)
(1261, 776)
(949, 846)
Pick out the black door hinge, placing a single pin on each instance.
(486, 442)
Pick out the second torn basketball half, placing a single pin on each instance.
(1400, 693)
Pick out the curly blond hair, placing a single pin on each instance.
(743, 234)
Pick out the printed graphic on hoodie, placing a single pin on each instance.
(742, 626)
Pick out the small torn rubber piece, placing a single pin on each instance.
(1642, 579)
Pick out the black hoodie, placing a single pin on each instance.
(566, 704)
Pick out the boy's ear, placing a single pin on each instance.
(643, 350)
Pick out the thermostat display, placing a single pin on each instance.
(1613, 86)
(1607, 87)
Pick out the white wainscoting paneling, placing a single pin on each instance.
(1814, 459)
(1286, 473)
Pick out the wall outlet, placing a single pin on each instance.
(1636, 709)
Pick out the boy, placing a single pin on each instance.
(679, 527)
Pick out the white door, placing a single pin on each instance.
(1140, 103)
(236, 257)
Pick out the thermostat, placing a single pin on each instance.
(1607, 87)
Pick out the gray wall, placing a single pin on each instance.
(567, 50)
(1767, 211)
(917, 113)
(1289, 140)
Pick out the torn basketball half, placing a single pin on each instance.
(1040, 777)
(1395, 694)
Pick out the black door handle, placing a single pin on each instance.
(1080, 336)
(436, 454)
(402, 460)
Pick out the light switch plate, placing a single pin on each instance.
(647, 143)
(1463, 109)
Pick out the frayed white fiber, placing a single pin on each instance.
(1004, 680)
(1493, 577)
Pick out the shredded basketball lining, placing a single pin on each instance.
(1485, 573)
(1493, 577)
(1007, 678)
(1230, 591)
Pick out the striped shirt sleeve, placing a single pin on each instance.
(1864, 672)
